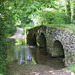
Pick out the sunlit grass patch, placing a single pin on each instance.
(1, 74)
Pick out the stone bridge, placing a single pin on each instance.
(58, 42)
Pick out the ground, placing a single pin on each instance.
(15, 69)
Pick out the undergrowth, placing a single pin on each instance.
(72, 68)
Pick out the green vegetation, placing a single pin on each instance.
(6, 29)
(46, 17)
(30, 13)
(72, 68)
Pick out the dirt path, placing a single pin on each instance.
(16, 69)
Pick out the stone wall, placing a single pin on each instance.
(58, 42)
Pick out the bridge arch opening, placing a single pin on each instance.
(58, 50)
(42, 44)
(42, 41)
(34, 40)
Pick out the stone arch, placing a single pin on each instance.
(42, 40)
(58, 50)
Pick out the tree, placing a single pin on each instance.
(6, 27)
(23, 9)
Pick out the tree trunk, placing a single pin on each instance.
(68, 7)
(73, 20)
